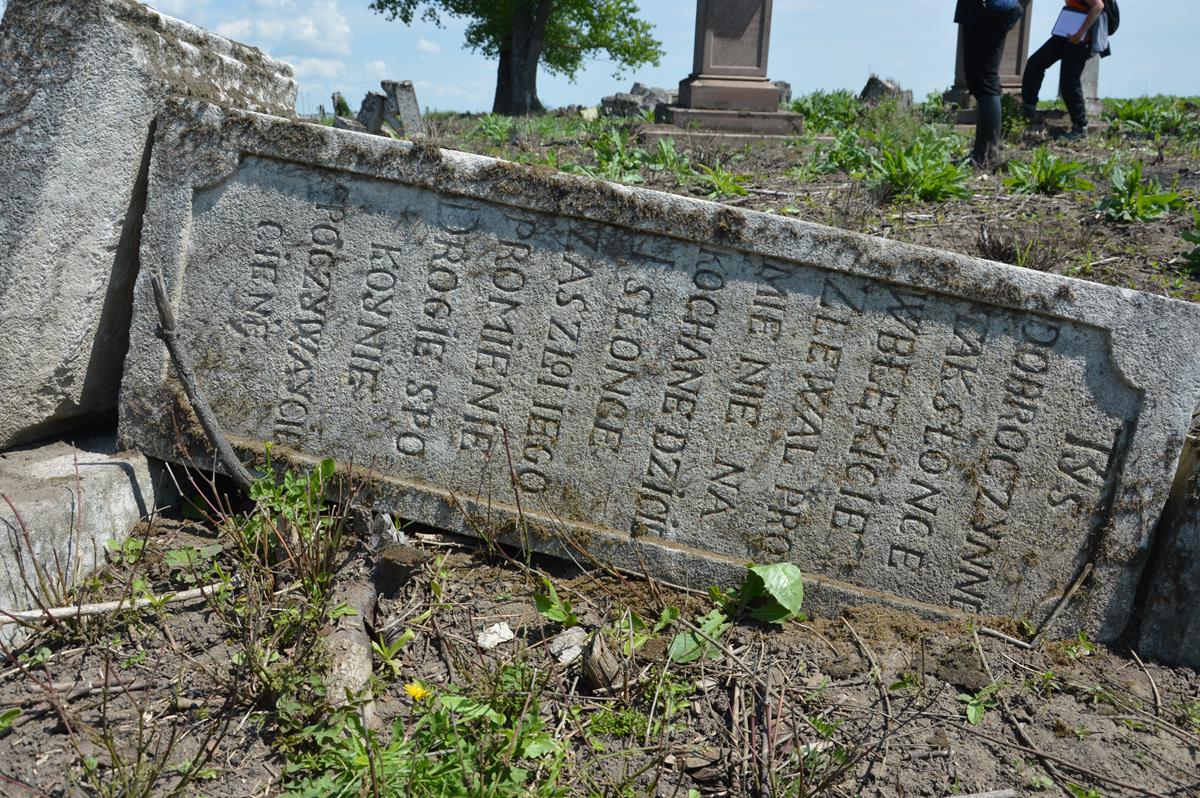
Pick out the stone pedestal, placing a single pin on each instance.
(1012, 67)
(728, 91)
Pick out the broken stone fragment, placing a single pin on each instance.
(80, 83)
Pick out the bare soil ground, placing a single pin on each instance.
(873, 703)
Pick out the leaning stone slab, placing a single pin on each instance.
(1170, 624)
(665, 384)
(68, 500)
(403, 110)
(80, 82)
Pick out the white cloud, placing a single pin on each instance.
(324, 27)
(376, 69)
(235, 28)
(312, 25)
(189, 10)
(428, 47)
(327, 68)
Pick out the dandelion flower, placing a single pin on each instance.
(417, 691)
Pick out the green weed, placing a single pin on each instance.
(665, 158)
(848, 153)
(617, 158)
(7, 717)
(1153, 116)
(127, 552)
(723, 182)
(1133, 198)
(494, 128)
(769, 594)
(619, 721)
(457, 746)
(979, 703)
(924, 170)
(692, 645)
(1046, 173)
(554, 608)
(832, 110)
(1192, 256)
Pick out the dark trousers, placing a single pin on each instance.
(983, 48)
(984, 32)
(1070, 78)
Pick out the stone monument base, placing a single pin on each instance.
(724, 127)
(729, 94)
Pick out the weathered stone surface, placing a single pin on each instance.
(371, 112)
(80, 82)
(403, 110)
(680, 386)
(1170, 627)
(348, 123)
(72, 500)
(639, 100)
(878, 89)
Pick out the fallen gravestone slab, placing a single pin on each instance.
(672, 385)
(80, 82)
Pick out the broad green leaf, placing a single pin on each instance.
(7, 717)
(784, 583)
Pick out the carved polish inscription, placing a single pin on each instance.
(666, 391)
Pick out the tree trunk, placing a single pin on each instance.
(503, 102)
(516, 74)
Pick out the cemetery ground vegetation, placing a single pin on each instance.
(1116, 207)
(497, 673)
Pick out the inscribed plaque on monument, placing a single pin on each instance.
(669, 384)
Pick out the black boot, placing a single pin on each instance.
(987, 132)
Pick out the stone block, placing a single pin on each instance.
(729, 94)
(403, 110)
(878, 89)
(71, 499)
(679, 386)
(80, 82)
(349, 123)
(372, 111)
(621, 104)
(1170, 624)
(767, 123)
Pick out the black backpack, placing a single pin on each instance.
(1113, 13)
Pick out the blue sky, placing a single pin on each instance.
(815, 44)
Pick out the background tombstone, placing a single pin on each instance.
(1091, 90)
(1012, 66)
(371, 112)
(729, 66)
(684, 387)
(403, 112)
(728, 90)
(80, 83)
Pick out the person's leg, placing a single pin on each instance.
(989, 47)
(1035, 70)
(1070, 83)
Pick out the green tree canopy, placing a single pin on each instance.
(559, 34)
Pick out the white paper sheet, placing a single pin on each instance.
(1068, 23)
